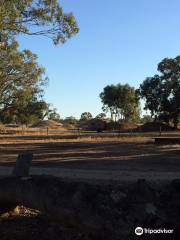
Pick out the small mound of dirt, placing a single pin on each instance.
(126, 126)
(93, 125)
(69, 126)
(155, 126)
(49, 124)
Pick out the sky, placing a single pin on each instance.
(120, 41)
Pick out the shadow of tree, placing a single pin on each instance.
(97, 155)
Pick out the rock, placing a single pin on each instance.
(23, 164)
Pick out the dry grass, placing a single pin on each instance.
(100, 151)
(51, 139)
(54, 151)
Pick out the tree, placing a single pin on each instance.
(36, 17)
(53, 115)
(122, 102)
(101, 116)
(146, 119)
(19, 71)
(162, 92)
(150, 90)
(70, 120)
(86, 116)
(108, 98)
(24, 110)
(27, 113)
(21, 82)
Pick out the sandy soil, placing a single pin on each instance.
(108, 159)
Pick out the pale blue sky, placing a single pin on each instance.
(120, 41)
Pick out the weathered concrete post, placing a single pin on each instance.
(23, 164)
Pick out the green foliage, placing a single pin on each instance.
(21, 83)
(149, 90)
(162, 92)
(86, 116)
(36, 17)
(54, 115)
(146, 119)
(24, 114)
(101, 116)
(70, 120)
(122, 102)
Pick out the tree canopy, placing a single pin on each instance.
(36, 17)
(101, 116)
(162, 92)
(70, 120)
(21, 82)
(86, 116)
(121, 101)
(53, 115)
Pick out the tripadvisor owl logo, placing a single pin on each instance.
(139, 231)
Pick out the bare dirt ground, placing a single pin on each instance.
(89, 158)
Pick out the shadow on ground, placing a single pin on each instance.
(133, 156)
